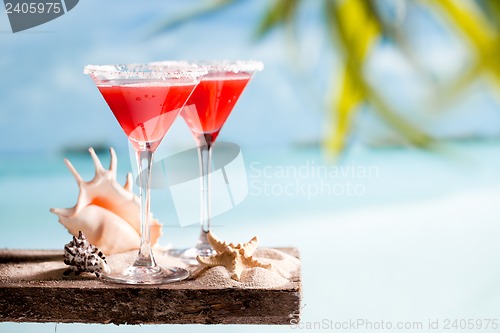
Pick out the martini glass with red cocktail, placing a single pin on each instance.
(205, 113)
(145, 103)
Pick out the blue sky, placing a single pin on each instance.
(46, 103)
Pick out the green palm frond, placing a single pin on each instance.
(484, 39)
(351, 93)
(353, 23)
(354, 27)
(212, 7)
(394, 32)
(281, 12)
(478, 23)
(492, 10)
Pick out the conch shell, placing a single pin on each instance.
(106, 212)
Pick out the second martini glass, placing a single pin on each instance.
(145, 103)
(205, 113)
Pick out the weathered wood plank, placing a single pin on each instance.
(43, 298)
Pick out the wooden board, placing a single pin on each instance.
(47, 296)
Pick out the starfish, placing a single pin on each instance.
(234, 257)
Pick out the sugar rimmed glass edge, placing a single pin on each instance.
(234, 66)
(143, 71)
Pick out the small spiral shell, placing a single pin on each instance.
(81, 256)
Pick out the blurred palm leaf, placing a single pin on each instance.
(471, 20)
(357, 42)
(349, 99)
(358, 28)
(210, 8)
(281, 12)
(355, 26)
(492, 7)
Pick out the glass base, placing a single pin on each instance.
(144, 275)
(188, 256)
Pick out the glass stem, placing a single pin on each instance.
(205, 156)
(144, 163)
(205, 153)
